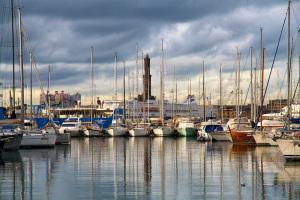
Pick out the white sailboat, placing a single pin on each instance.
(92, 130)
(162, 130)
(31, 137)
(289, 144)
(138, 129)
(117, 128)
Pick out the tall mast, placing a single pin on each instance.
(203, 91)
(189, 97)
(221, 99)
(299, 64)
(199, 91)
(136, 111)
(162, 83)
(251, 83)
(92, 82)
(137, 70)
(289, 64)
(262, 88)
(49, 100)
(21, 64)
(255, 92)
(262, 77)
(237, 84)
(124, 102)
(30, 82)
(116, 91)
(13, 53)
(173, 93)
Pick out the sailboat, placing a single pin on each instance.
(162, 130)
(117, 128)
(92, 129)
(10, 138)
(186, 126)
(240, 127)
(140, 129)
(32, 137)
(289, 143)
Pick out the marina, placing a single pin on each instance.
(151, 120)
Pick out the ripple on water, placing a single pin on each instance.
(148, 168)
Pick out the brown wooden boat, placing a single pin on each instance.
(242, 136)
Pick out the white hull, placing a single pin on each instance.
(202, 136)
(290, 148)
(63, 138)
(92, 132)
(117, 131)
(262, 139)
(221, 136)
(38, 140)
(135, 132)
(163, 132)
(74, 132)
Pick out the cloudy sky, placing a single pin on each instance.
(61, 32)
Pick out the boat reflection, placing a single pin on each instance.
(147, 168)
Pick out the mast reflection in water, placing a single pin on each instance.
(148, 168)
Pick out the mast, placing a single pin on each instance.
(124, 102)
(162, 83)
(92, 82)
(262, 88)
(30, 53)
(173, 92)
(255, 92)
(49, 103)
(299, 63)
(237, 82)
(116, 82)
(137, 82)
(148, 99)
(221, 99)
(251, 83)
(21, 63)
(203, 91)
(13, 54)
(262, 77)
(189, 98)
(289, 64)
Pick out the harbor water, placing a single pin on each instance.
(148, 168)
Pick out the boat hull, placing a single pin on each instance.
(290, 148)
(92, 133)
(117, 131)
(63, 138)
(138, 132)
(163, 132)
(76, 132)
(220, 136)
(187, 132)
(262, 139)
(242, 137)
(13, 142)
(38, 140)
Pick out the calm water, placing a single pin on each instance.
(148, 168)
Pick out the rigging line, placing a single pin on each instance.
(247, 93)
(283, 81)
(274, 58)
(295, 91)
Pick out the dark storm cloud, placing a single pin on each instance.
(62, 31)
